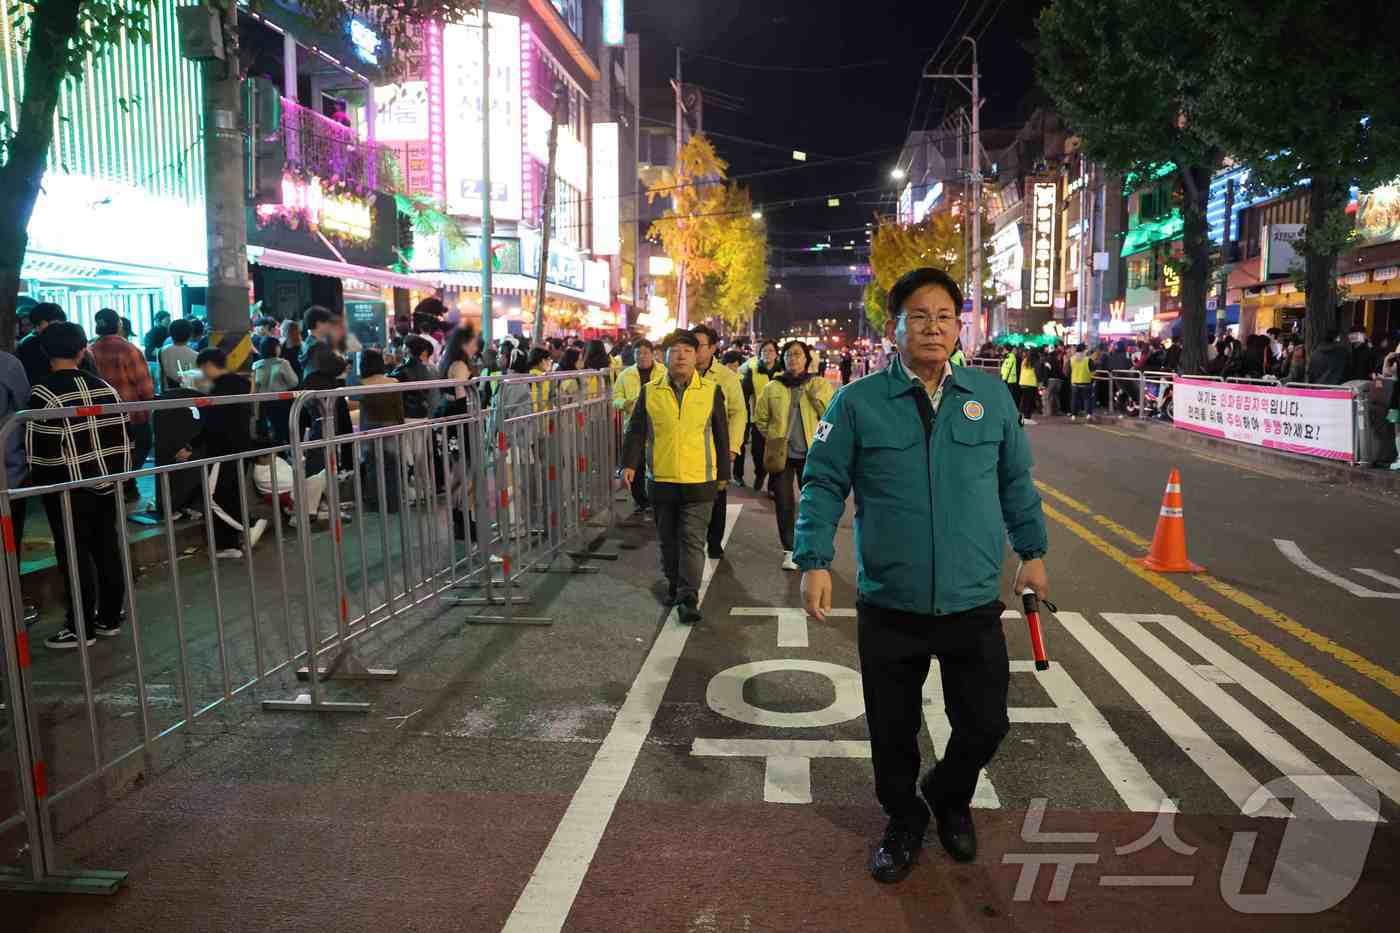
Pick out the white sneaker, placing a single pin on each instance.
(1028, 421)
(228, 553)
(256, 532)
(1395, 465)
(788, 562)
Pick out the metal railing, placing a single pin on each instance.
(317, 145)
(414, 511)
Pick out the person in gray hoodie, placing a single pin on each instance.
(273, 373)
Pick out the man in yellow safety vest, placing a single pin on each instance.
(679, 431)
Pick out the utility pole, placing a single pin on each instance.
(976, 176)
(486, 314)
(1086, 247)
(560, 93)
(682, 312)
(225, 204)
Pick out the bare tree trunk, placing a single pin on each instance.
(1320, 250)
(54, 23)
(1195, 272)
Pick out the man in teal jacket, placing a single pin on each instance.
(940, 468)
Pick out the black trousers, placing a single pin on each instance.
(227, 478)
(788, 494)
(97, 558)
(719, 513)
(639, 490)
(140, 435)
(895, 651)
(680, 529)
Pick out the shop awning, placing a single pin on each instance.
(1147, 234)
(507, 283)
(295, 262)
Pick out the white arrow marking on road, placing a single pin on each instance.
(1377, 575)
(787, 774)
(792, 623)
(1227, 773)
(1339, 802)
(1331, 739)
(1295, 554)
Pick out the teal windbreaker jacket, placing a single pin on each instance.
(935, 495)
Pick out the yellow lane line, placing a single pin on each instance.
(1335, 694)
(1099, 427)
(1362, 665)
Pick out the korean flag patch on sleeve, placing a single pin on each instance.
(823, 431)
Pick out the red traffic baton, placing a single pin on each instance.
(1031, 604)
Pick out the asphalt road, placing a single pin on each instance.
(618, 771)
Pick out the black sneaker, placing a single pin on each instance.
(66, 638)
(897, 853)
(690, 612)
(715, 553)
(108, 631)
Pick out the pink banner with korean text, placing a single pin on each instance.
(1313, 422)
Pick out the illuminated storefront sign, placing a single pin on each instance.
(305, 202)
(466, 255)
(364, 41)
(607, 233)
(461, 51)
(565, 263)
(597, 277)
(660, 265)
(401, 112)
(613, 32)
(1042, 243)
(1378, 215)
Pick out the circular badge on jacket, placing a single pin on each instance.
(973, 410)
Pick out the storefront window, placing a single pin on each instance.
(568, 213)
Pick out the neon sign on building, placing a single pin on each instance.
(1042, 243)
(306, 203)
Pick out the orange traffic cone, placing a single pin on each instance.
(1168, 551)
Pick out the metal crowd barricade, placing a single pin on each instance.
(413, 511)
(243, 650)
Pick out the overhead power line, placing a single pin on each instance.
(794, 69)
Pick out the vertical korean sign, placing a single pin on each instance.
(1042, 243)
(1314, 422)
(461, 50)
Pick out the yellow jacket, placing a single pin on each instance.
(733, 389)
(1028, 373)
(539, 391)
(679, 436)
(772, 408)
(628, 386)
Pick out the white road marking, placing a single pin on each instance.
(1385, 578)
(787, 774)
(1327, 736)
(1295, 554)
(792, 623)
(549, 895)
(1212, 673)
(725, 694)
(1227, 773)
(1139, 792)
(939, 731)
(1337, 800)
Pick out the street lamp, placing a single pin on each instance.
(778, 285)
(898, 174)
(757, 215)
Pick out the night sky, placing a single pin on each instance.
(839, 103)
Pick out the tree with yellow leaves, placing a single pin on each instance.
(711, 236)
(897, 248)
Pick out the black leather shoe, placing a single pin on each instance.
(897, 853)
(956, 832)
(715, 553)
(690, 613)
